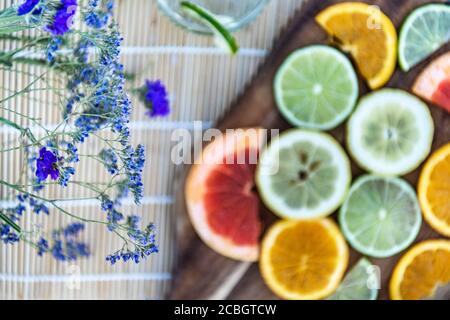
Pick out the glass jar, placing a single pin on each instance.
(234, 14)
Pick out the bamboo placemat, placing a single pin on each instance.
(203, 81)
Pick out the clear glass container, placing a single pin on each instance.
(234, 14)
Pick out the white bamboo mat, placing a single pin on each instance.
(202, 82)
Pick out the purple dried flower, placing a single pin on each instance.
(46, 165)
(27, 7)
(62, 20)
(154, 95)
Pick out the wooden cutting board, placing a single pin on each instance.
(200, 272)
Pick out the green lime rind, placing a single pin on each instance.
(303, 174)
(390, 133)
(381, 216)
(208, 18)
(358, 283)
(316, 88)
(423, 32)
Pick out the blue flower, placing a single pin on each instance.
(7, 235)
(52, 47)
(110, 160)
(4, 229)
(37, 184)
(38, 207)
(144, 243)
(72, 153)
(19, 209)
(62, 21)
(96, 20)
(122, 191)
(113, 216)
(65, 174)
(22, 198)
(112, 258)
(107, 204)
(93, 3)
(73, 229)
(134, 163)
(46, 165)
(27, 7)
(155, 98)
(133, 221)
(42, 246)
(126, 256)
(66, 246)
(82, 50)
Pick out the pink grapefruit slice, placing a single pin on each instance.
(433, 84)
(221, 202)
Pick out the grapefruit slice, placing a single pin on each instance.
(433, 84)
(222, 205)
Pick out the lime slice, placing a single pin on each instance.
(381, 216)
(424, 31)
(303, 174)
(223, 38)
(360, 283)
(390, 133)
(316, 87)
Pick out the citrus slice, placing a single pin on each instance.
(360, 283)
(221, 204)
(424, 31)
(223, 38)
(433, 84)
(434, 190)
(381, 216)
(303, 174)
(367, 34)
(303, 260)
(390, 133)
(421, 271)
(316, 87)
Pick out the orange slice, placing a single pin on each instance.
(221, 203)
(367, 34)
(433, 84)
(421, 271)
(303, 259)
(434, 191)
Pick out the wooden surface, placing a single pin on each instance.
(200, 272)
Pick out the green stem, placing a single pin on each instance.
(10, 222)
(52, 202)
(24, 131)
(10, 22)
